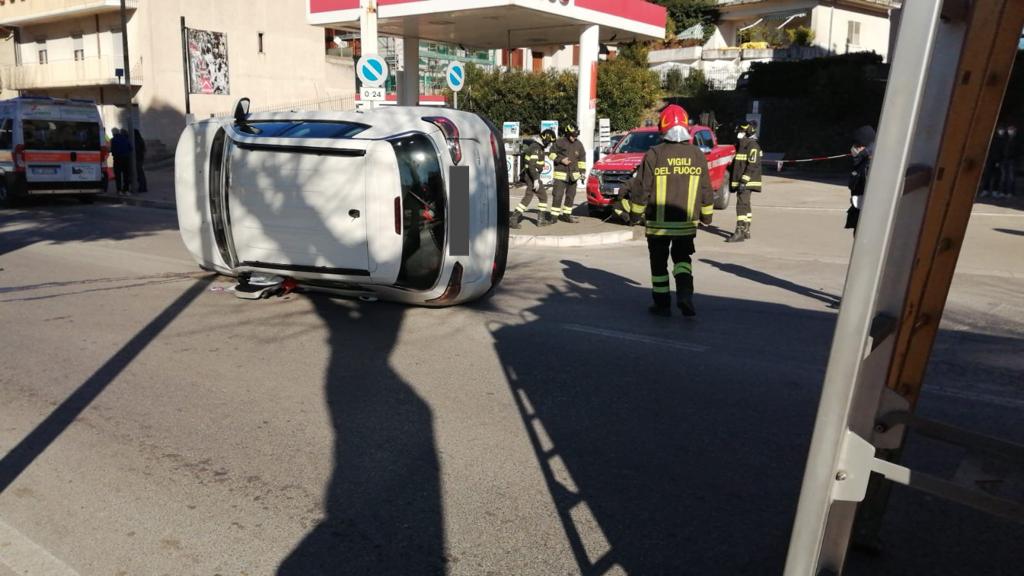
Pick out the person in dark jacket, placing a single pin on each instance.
(863, 151)
(1008, 163)
(746, 178)
(570, 163)
(533, 165)
(140, 159)
(674, 196)
(121, 149)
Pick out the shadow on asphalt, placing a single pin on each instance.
(36, 442)
(831, 300)
(1009, 231)
(61, 220)
(382, 506)
(673, 446)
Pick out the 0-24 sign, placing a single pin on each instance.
(372, 94)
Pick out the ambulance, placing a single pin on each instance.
(51, 146)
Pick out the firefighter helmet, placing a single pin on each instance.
(749, 127)
(569, 128)
(674, 124)
(548, 136)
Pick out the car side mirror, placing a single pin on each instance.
(242, 110)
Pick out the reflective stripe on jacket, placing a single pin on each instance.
(746, 166)
(576, 156)
(675, 189)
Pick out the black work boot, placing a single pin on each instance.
(514, 218)
(684, 288)
(544, 218)
(740, 234)
(568, 218)
(746, 231)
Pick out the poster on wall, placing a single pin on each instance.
(208, 62)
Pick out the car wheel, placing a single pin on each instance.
(723, 196)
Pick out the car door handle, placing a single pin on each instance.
(353, 213)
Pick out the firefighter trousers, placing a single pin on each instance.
(744, 211)
(563, 191)
(534, 187)
(680, 248)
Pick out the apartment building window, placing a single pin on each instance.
(41, 51)
(79, 47)
(259, 42)
(853, 33)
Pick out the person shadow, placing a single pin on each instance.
(830, 300)
(382, 506)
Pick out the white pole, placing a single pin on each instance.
(368, 31)
(586, 96)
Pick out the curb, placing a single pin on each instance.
(140, 202)
(576, 240)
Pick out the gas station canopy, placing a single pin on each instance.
(491, 24)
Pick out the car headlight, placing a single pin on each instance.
(597, 174)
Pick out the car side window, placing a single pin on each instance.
(6, 138)
(704, 141)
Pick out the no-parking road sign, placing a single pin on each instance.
(456, 76)
(372, 70)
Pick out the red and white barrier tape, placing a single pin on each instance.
(780, 163)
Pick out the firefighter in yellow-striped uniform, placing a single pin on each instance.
(533, 165)
(674, 194)
(746, 178)
(570, 164)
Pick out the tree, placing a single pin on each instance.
(635, 52)
(674, 82)
(626, 92)
(688, 13)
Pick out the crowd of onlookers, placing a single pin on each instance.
(1000, 179)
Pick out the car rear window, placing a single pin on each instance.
(638, 142)
(424, 206)
(303, 129)
(61, 135)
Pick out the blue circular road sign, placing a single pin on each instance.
(372, 70)
(456, 76)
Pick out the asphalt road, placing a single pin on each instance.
(151, 423)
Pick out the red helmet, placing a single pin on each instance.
(674, 124)
(673, 115)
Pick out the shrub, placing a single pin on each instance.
(674, 81)
(800, 36)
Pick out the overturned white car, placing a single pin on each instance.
(404, 203)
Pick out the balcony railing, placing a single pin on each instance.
(94, 71)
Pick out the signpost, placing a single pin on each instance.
(372, 71)
(456, 77)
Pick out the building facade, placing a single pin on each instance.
(751, 31)
(262, 49)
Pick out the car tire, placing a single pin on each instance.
(723, 196)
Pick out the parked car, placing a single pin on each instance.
(51, 146)
(612, 172)
(356, 203)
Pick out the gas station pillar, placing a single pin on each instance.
(409, 83)
(586, 97)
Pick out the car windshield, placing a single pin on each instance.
(303, 129)
(61, 135)
(638, 142)
(424, 209)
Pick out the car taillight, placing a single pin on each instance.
(494, 146)
(398, 215)
(451, 135)
(453, 289)
(19, 157)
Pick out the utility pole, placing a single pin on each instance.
(132, 169)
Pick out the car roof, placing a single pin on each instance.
(655, 128)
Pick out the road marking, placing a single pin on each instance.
(635, 337)
(24, 556)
